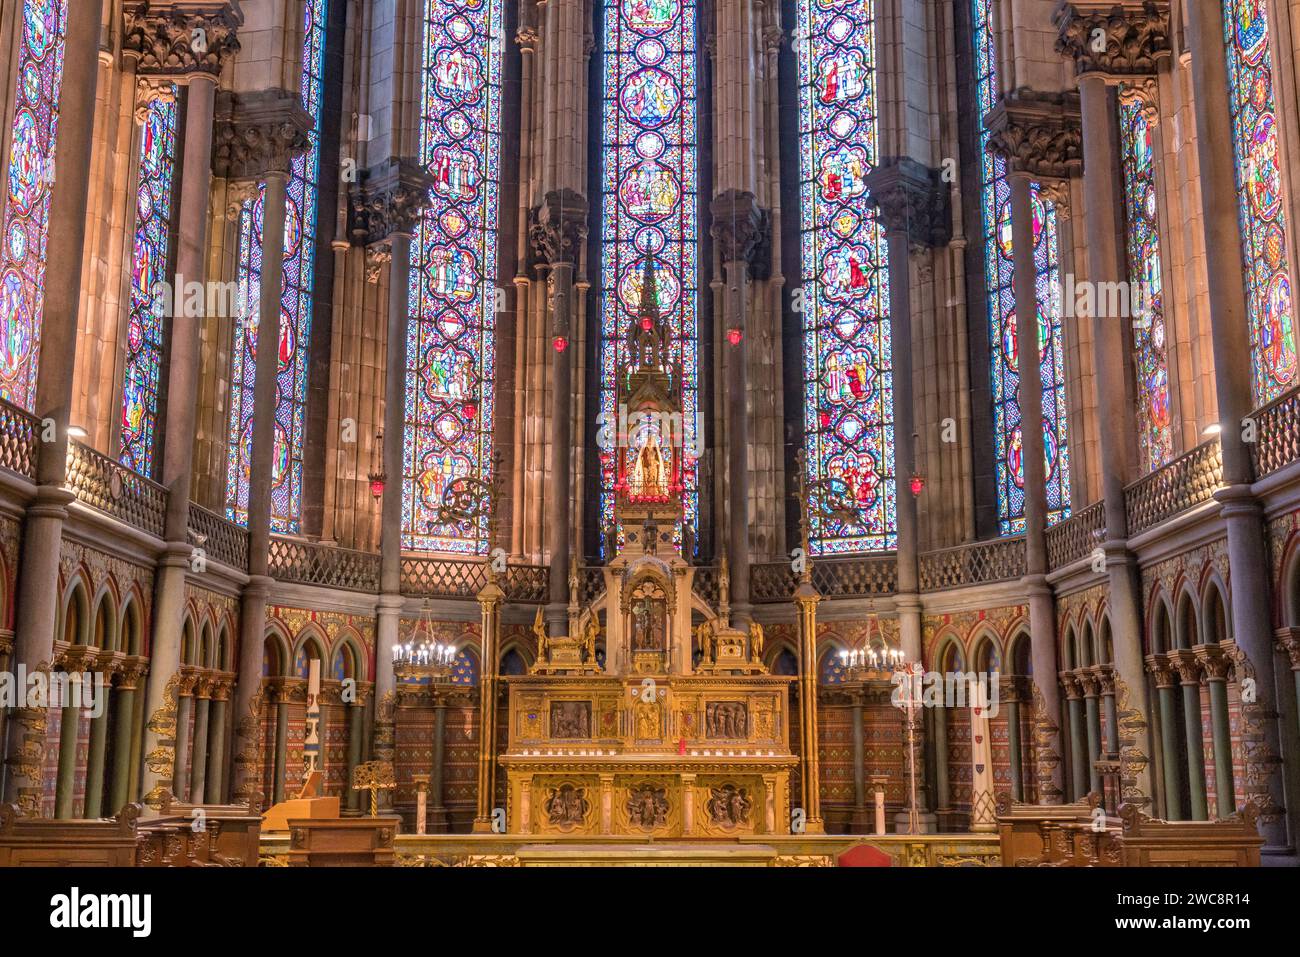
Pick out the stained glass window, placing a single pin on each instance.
(27, 200)
(995, 202)
(151, 248)
(450, 348)
(1150, 359)
(649, 189)
(848, 379)
(1261, 211)
(295, 312)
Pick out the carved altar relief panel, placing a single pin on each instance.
(729, 806)
(565, 805)
(571, 720)
(727, 720)
(650, 806)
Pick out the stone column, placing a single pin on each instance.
(911, 203)
(1189, 674)
(356, 732)
(1011, 703)
(489, 600)
(1078, 738)
(805, 600)
(1247, 553)
(559, 232)
(281, 692)
(256, 137)
(1158, 667)
(36, 600)
(1135, 41)
(1092, 715)
(199, 759)
(96, 753)
(738, 227)
(123, 726)
(1038, 133)
(1109, 713)
(1214, 664)
(162, 44)
(69, 730)
(214, 791)
(437, 810)
(942, 791)
(859, 821)
(184, 709)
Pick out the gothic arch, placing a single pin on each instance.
(1069, 660)
(103, 620)
(311, 639)
(1186, 620)
(1105, 652)
(131, 627)
(189, 641)
(1160, 629)
(275, 661)
(349, 644)
(1216, 623)
(74, 614)
(223, 662)
(986, 654)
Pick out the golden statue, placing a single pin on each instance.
(539, 630)
(704, 634)
(648, 472)
(589, 636)
(755, 641)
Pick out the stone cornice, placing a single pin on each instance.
(912, 198)
(742, 230)
(558, 227)
(258, 133)
(1038, 133)
(388, 199)
(182, 37)
(1115, 39)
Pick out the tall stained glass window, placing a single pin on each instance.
(151, 248)
(27, 200)
(450, 349)
(649, 202)
(848, 379)
(1261, 210)
(295, 312)
(995, 202)
(1150, 358)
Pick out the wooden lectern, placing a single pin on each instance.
(305, 805)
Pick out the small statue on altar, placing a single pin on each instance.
(589, 638)
(539, 631)
(704, 635)
(755, 641)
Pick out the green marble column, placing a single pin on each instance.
(66, 782)
(199, 758)
(356, 731)
(437, 816)
(184, 707)
(281, 742)
(214, 791)
(1216, 675)
(97, 753)
(123, 719)
(1078, 741)
(1092, 716)
(942, 792)
(1189, 674)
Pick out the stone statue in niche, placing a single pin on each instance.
(567, 806)
(729, 805)
(570, 719)
(649, 619)
(726, 719)
(647, 806)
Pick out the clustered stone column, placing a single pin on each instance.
(1247, 552)
(738, 228)
(911, 203)
(36, 601)
(559, 232)
(1038, 134)
(257, 136)
(1133, 41)
(384, 211)
(489, 599)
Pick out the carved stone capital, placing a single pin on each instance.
(151, 90)
(258, 133)
(1145, 92)
(388, 199)
(1056, 192)
(378, 255)
(1117, 39)
(1038, 133)
(742, 230)
(912, 198)
(1215, 665)
(526, 39)
(1288, 642)
(181, 38)
(1160, 671)
(1189, 669)
(559, 227)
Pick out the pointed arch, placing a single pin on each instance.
(74, 615)
(131, 626)
(1216, 623)
(1187, 619)
(275, 657)
(1161, 624)
(103, 619)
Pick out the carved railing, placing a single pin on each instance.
(19, 440)
(465, 578)
(1077, 536)
(218, 537)
(856, 577)
(310, 563)
(978, 563)
(1277, 434)
(114, 489)
(1187, 481)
